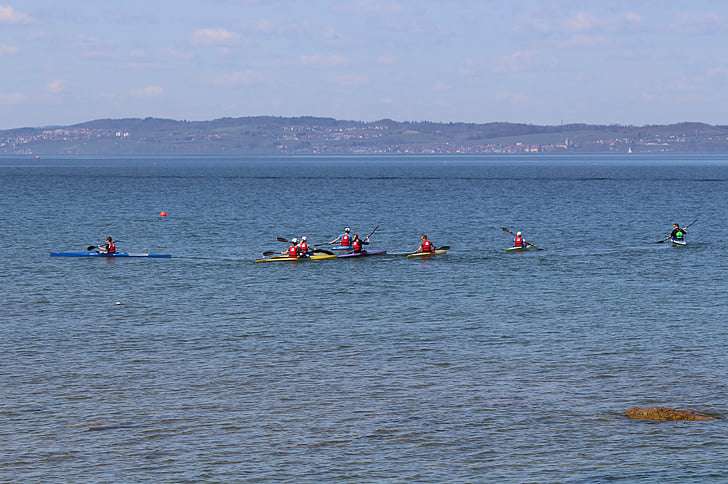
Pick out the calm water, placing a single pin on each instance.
(476, 366)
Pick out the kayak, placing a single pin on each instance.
(285, 258)
(521, 249)
(422, 255)
(340, 247)
(363, 253)
(115, 254)
(679, 242)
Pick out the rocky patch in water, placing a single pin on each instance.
(665, 414)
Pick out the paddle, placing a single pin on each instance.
(366, 239)
(668, 236)
(507, 230)
(281, 239)
(270, 252)
(91, 248)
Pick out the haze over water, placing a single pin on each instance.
(475, 366)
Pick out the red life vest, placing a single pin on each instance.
(293, 251)
(519, 241)
(345, 240)
(304, 247)
(357, 245)
(427, 246)
(111, 248)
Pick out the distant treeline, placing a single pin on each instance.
(313, 135)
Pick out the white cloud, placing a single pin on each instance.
(8, 49)
(351, 80)
(12, 98)
(239, 78)
(513, 98)
(148, 91)
(8, 15)
(177, 54)
(547, 23)
(323, 60)
(699, 23)
(216, 36)
(265, 26)
(518, 61)
(717, 72)
(441, 87)
(386, 60)
(372, 7)
(56, 86)
(633, 18)
(581, 22)
(584, 40)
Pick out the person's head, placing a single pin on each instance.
(303, 239)
(109, 239)
(347, 230)
(294, 240)
(356, 236)
(677, 226)
(518, 234)
(423, 237)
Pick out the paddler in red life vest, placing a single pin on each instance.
(426, 245)
(293, 250)
(356, 244)
(519, 241)
(303, 246)
(108, 247)
(344, 239)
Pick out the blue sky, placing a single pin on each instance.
(630, 62)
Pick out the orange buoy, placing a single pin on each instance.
(163, 213)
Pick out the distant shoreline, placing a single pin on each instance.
(311, 136)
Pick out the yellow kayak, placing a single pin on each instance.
(426, 254)
(285, 258)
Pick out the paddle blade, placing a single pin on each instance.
(506, 230)
(444, 247)
(372, 232)
(281, 239)
(269, 253)
(91, 247)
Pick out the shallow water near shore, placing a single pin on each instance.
(474, 366)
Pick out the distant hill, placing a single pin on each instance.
(311, 135)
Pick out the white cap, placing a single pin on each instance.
(518, 233)
(303, 238)
(294, 240)
(347, 229)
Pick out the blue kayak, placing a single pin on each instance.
(363, 253)
(340, 247)
(116, 254)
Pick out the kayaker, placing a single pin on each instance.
(293, 250)
(303, 246)
(108, 247)
(426, 245)
(678, 233)
(519, 241)
(356, 244)
(344, 239)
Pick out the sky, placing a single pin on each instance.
(544, 62)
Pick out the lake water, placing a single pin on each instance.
(478, 366)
